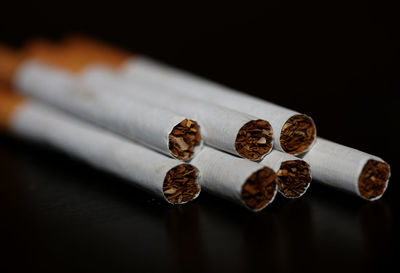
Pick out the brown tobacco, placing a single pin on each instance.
(373, 178)
(294, 176)
(180, 184)
(184, 138)
(259, 189)
(254, 139)
(297, 134)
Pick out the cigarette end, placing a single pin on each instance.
(298, 134)
(254, 140)
(373, 179)
(183, 139)
(294, 178)
(180, 184)
(259, 189)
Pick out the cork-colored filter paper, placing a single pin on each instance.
(9, 103)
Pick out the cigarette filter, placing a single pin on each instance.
(160, 129)
(225, 129)
(175, 182)
(9, 60)
(242, 181)
(348, 169)
(295, 133)
(293, 174)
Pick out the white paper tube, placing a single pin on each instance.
(294, 133)
(140, 166)
(241, 181)
(293, 174)
(134, 119)
(348, 169)
(222, 128)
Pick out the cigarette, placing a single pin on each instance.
(366, 178)
(293, 174)
(242, 181)
(244, 135)
(348, 169)
(163, 130)
(228, 130)
(295, 133)
(169, 179)
(225, 129)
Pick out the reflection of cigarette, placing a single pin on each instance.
(160, 175)
(223, 128)
(163, 130)
(349, 169)
(241, 181)
(295, 133)
(293, 174)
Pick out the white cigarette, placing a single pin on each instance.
(348, 169)
(169, 179)
(160, 129)
(293, 174)
(294, 132)
(242, 181)
(225, 129)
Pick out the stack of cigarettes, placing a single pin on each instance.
(170, 132)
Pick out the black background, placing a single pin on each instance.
(338, 62)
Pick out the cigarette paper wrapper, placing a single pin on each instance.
(224, 175)
(220, 125)
(140, 166)
(339, 166)
(140, 68)
(134, 119)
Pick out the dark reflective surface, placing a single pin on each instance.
(58, 215)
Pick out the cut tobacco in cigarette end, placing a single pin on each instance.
(297, 134)
(180, 184)
(373, 179)
(259, 189)
(254, 140)
(293, 177)
(184, 138)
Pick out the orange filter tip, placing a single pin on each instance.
(9, 62)
(97, 51)
(9, 103)
(39, 44)
(6, 89)
(51, 53)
